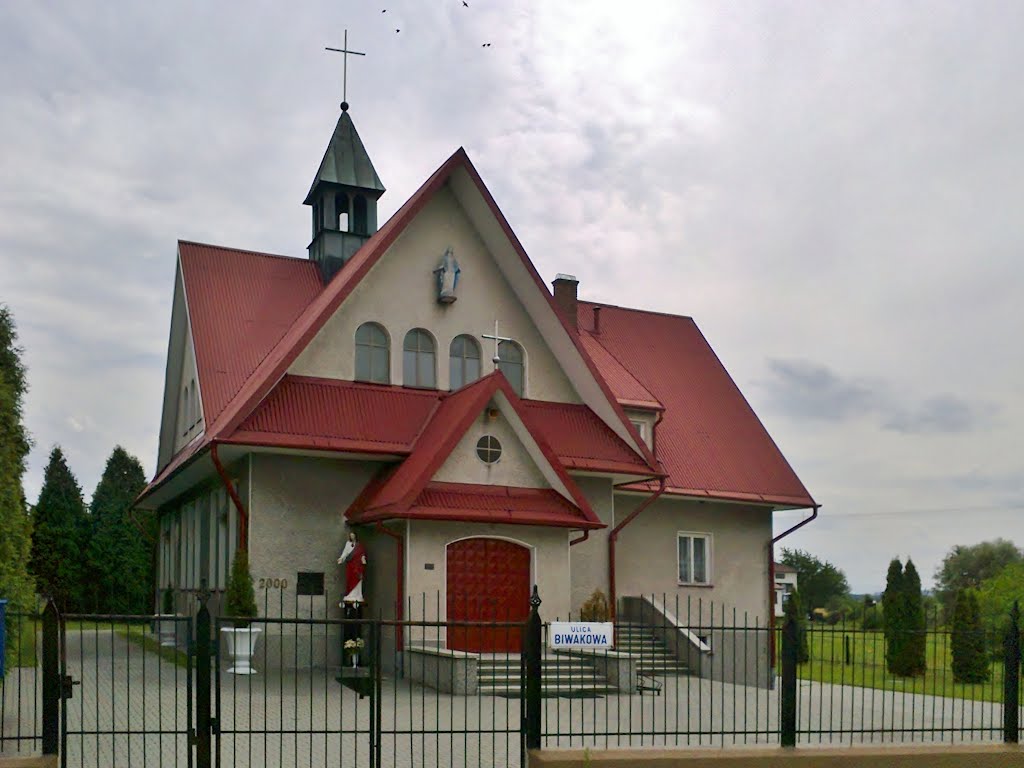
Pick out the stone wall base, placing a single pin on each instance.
(959, 756)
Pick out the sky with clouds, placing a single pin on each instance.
(832, 190)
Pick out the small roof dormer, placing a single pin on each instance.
(344, 198)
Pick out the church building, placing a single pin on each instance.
(418, 384)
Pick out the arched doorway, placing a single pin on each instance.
(487, 580)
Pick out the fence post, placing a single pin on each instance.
(533, 651)
(1011, 678)
(787, 723)
(203, 716)
(51, 679)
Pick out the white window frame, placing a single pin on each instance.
(641, 428)
(708, 558)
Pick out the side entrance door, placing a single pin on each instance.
(488, 580)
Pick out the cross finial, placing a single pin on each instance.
(497, 343)
(345, 52)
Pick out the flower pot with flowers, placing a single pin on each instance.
(240, 605)
(352, 647)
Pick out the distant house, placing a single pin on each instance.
(785, 585)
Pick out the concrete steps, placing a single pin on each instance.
(559, 676)
(653, 658)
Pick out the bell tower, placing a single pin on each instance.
(344, 198)
(344, 193)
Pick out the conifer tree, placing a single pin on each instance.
(793, 611)
(60, 535)
(970, 664)
(16, 583)
(915, 654)
(121, 546)
(893, 625)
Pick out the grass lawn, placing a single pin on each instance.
(866, 667)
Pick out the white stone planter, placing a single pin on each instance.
(167, 628)
(241, 644)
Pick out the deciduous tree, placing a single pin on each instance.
(819, 582)
(966, 567)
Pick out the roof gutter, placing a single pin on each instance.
(771, 580)
(614, 535)
(399, 578)
(243, 515)
(581, 539)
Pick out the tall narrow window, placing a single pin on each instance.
(360, 216)
(510, 363)
(341, 211)
(194, 410)
(185, 403)
(694, 558)
(418, 359)
(373, 358)
(463, 361)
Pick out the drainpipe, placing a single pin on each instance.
(399, 578)
(771, 580)
(615, 535)
(243, 516)
(581, 539)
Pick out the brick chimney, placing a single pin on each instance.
(565, 295)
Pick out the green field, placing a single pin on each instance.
(866, 664)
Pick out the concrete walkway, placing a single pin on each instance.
(309, 719)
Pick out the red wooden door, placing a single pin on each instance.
(488, 580)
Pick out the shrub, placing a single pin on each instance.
(595, 608)
(970, 662)
(240, 599)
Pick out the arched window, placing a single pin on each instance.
(463, 361)
(510, 363)
(418, 359)
(373, 354)
(341, 211)
(186, 403)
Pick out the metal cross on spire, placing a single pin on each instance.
(345, 53)
(497, 342)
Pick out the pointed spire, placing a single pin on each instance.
(346, 162)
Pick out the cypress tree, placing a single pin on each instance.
(121, 551)
(893, 624)
(60, 535)
(793, 611)
(914, 660)
(970, 664)
(16, 583)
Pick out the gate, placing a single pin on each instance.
(155, 690)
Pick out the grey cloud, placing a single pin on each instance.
(806, 390)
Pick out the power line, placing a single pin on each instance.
(922, 511)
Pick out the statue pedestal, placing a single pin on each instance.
(356, 678)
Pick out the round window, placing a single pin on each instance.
(488, 449)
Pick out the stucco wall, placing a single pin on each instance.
(188, 375)
(427, 541)
(646, 555)
(400, 293)
(515, 467)
(589, 559)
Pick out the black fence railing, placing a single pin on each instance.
(431, 690)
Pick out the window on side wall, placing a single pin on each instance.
(694, 558)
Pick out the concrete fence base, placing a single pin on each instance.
(40, 761)
(966, 756)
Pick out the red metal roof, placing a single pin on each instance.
(710, 441)
(327, 414)
(627, 390)
(465, 502)
(240, 304)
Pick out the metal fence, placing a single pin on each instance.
(124, 690)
